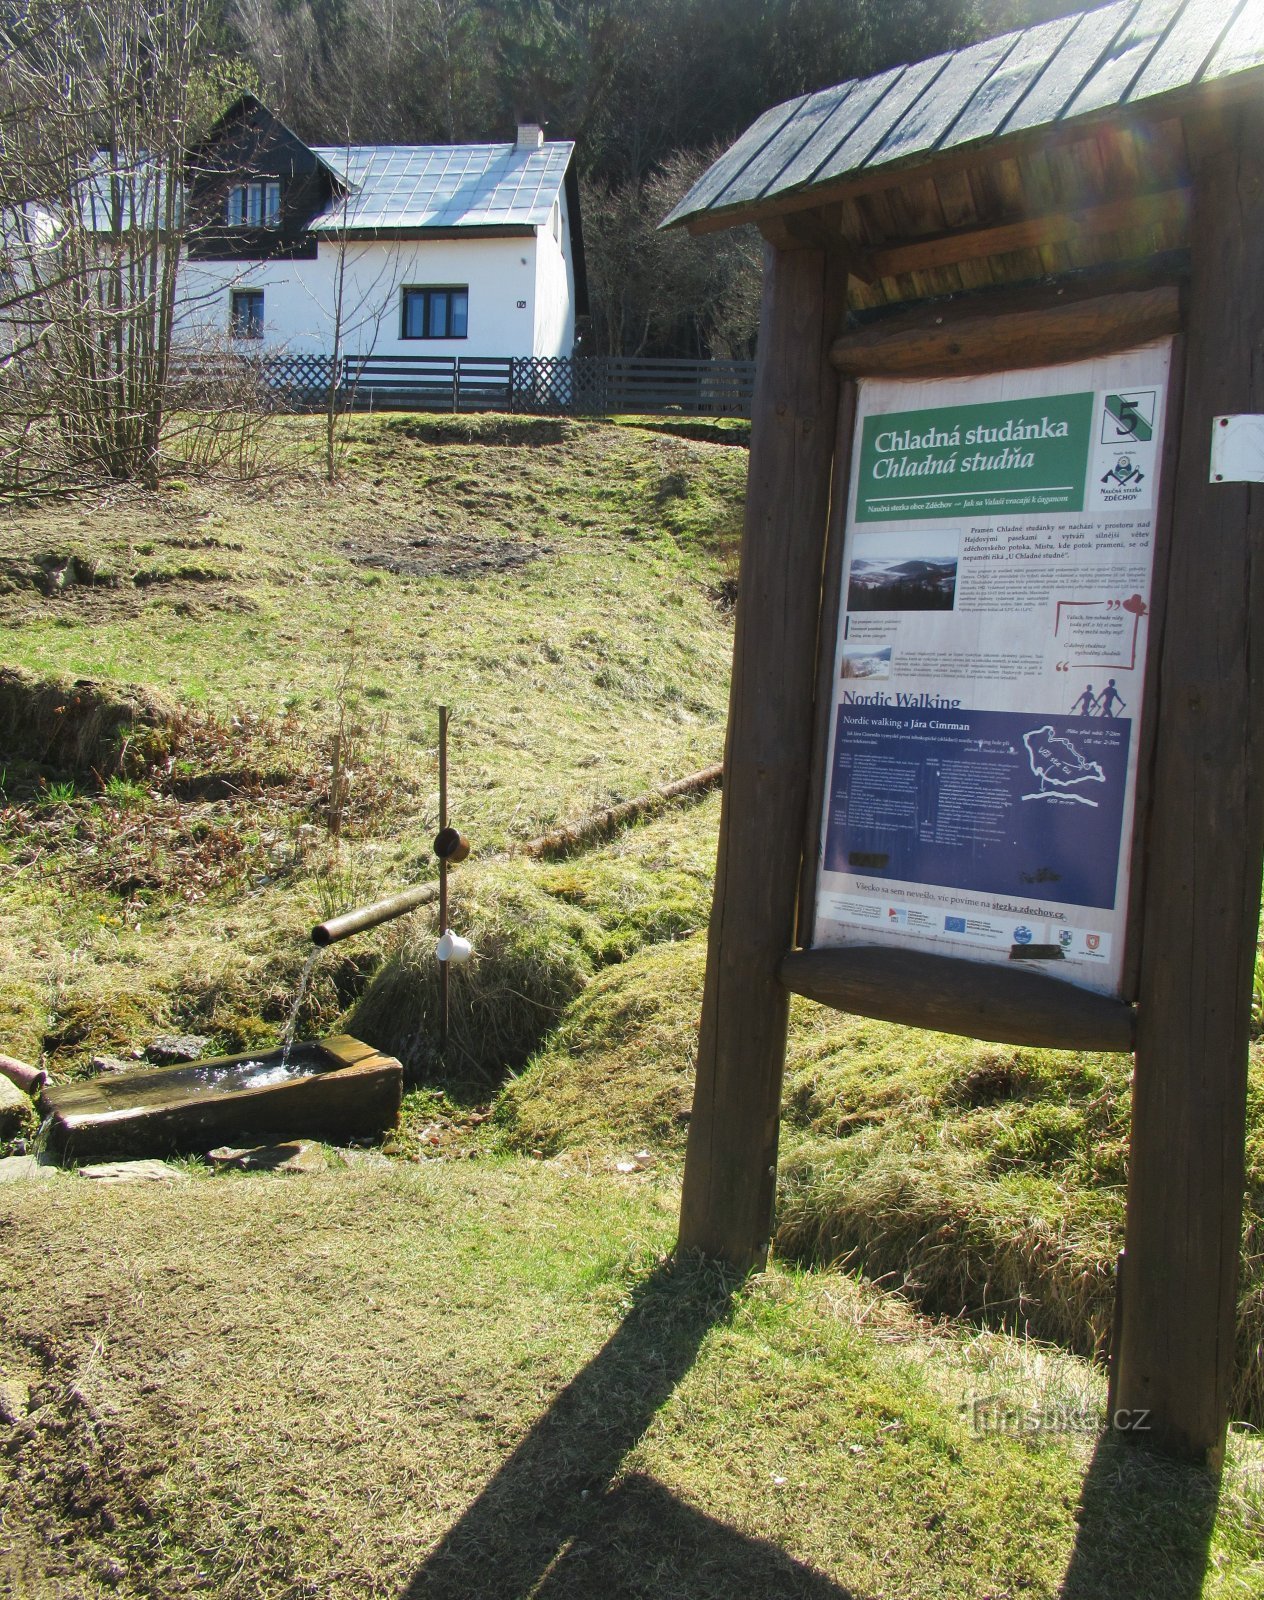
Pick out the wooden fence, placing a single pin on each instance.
(541, 385)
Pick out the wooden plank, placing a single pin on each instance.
(1206, 833)
(806, 161)
(1061, 79)
(1126, 60)
(1150, 699)
(998, 332)
(730, 1162)
(996, 98)
(1242, 46)
(1240, 89)
(926, 122)
(826, 649)
(1059, 227)
(767, 169)
(819, 230)
(866, 137)
(1190, 44)
(764, 131)
(980, 1000)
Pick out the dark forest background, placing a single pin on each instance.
(651, 91)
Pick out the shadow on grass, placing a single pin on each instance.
(1145, 1523)
(553, 1522)
(734, 430)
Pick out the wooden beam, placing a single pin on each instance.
(981, 335)
(826, 645)
(730, 1162)
(981, 1000)
(1031, 233)
(1206, 841)
(820, 230)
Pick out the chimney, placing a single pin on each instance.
(530, 136)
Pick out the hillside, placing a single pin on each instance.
(563, 588)
(464, 1364)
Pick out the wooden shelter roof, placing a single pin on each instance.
(1150, 58)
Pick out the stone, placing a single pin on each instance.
(16, 1110)
(112, 1064)
(172, 1048)
(352, 1157)
(15, 1400)
(15, 1168)
(133, 1172)
(296, 1155)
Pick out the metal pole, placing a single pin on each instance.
(443, 874)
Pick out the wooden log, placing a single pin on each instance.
(1206, 842)
(730, 1164)
(601, 824)
(1029, 233)
(980, 1000)
(1021, 330)
(29, 1079)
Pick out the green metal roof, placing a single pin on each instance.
(1044, 76)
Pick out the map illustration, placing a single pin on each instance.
(1059, 766)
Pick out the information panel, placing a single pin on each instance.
(991, 657)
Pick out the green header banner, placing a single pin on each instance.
(1006, 456)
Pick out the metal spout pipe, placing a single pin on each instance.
(395, 905)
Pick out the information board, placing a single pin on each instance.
(988, 681)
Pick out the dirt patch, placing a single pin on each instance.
(732, 431)
(59, 581)
(80, 727)
(486, 429)
(419, 554)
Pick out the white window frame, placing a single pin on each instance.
(254, 204)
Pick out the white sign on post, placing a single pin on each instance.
(991, 654)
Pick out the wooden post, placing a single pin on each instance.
(730, 1164)
(1205, 836)
(443, 874)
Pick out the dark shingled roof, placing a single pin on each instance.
(1044, 76)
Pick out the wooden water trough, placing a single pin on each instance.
(334, 1089)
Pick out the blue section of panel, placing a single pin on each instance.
(998, 802)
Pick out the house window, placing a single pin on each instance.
(247, 314)
(439, 313)
(254, 205)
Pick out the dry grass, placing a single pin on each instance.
(468, 1380)
(81, 727)
(974, 1179)
(589, 674)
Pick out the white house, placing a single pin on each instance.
(414, 250)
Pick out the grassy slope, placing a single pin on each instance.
(592, 671)
(979, 1178)
(465, 1380)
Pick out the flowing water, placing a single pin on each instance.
(291, 1027)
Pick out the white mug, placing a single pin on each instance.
(453, 948)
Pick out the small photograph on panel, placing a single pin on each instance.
(866, 661)
(913, 571)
